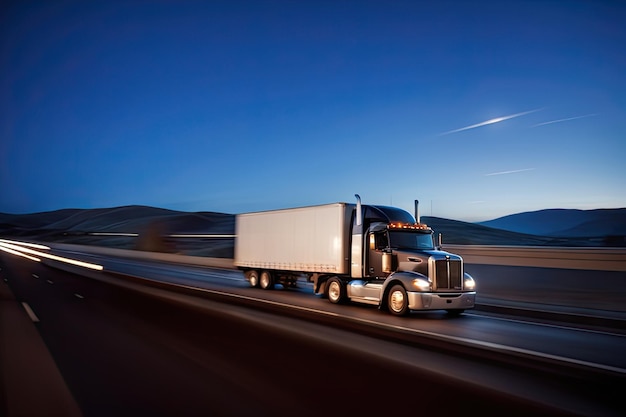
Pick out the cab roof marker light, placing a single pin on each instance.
(415, 226)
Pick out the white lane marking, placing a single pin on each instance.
(35, 276)
(30, 312)
(49, 282)
(78, 296)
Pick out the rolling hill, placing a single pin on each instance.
(151, 225)
(565, 223)
(151, 228)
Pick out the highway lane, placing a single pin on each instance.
(569, 343)
(576, 288)
(125, 352)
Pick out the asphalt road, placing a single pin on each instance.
(572, 341)
(574, 288)
(123, 352)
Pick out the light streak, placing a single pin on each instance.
(489, 122)
(202, 236)
(31, 245)
(509, 172)
(113, 234)
(14, 252)
(564, 120)
(173, 236)
(20, 249)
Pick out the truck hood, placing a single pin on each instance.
(417, 260)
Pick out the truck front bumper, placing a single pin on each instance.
(441, 301)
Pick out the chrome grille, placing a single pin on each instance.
(448, 274)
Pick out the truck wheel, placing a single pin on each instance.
(397, 301)
(335, 290)
(267, 280)
(253, 278)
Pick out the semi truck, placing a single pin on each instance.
(353, 252)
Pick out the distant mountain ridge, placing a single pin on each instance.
(124, 219)
(552, 227)
(564, 222)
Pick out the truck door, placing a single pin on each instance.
(378, 242)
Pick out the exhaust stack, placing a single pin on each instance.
(359, 219)
(417, 212)
(356, 251)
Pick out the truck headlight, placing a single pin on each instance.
(469, 283)
(421, 284)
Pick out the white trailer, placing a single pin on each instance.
(305, 239)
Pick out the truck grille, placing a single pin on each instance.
(448, 274)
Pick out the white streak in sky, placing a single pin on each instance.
(509, 172)
(489, 122)
(564, 120)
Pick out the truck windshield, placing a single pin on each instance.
(411, 240)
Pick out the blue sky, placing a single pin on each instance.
(477, 109)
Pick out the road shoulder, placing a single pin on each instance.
(32, 385)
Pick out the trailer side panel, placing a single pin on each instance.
(306, 239)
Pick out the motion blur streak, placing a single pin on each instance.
(30, 245)
(174, 236)
(113, 234)
(202, 236)
(509, 172)
(490, 122)
(17, 248)
(564, 120)
(14, 252)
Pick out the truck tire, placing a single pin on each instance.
(267, 280)
(397, 301)
(335, 290)
(253, 278)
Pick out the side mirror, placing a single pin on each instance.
(439, 240)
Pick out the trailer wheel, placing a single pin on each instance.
(267, 280)
(397, 301)
(335, 290)
(253, 278)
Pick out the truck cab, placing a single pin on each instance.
(402, 268)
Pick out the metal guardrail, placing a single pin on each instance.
(225, 263)
(593, 259)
